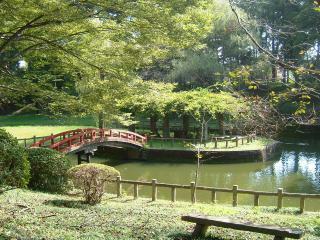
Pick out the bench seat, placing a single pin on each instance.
(203, 222)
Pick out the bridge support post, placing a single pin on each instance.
(87, 159)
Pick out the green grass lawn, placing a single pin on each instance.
(27, 126)
(32, 215)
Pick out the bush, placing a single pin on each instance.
(48, 170)
(91, 179)
(14, 166)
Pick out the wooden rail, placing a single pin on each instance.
(234, 191)
(69, 140)
(226, 139)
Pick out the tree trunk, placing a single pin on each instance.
(132, 127)
(101, 121)
(220, 118)
(166, 126)
(185, 126)
(274, 73)
(284, 76)
(205, 132)
(153, 125)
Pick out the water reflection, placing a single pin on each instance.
(295, 167)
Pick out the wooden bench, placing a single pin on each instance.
(203, 222)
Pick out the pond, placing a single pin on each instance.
(295, 167)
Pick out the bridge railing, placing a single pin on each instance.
(67, 140)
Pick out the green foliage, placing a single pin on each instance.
(91, 179)
(196, 70)
(48, 170)
(204, 104)
(14, 166)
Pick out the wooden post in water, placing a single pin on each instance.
(135, 191)
(280, 198)
(235, 195)
(256, 200)
(214, 196)
(119, 186)
(302, 204)
(193, 189)
(154, 189)
(173, 194)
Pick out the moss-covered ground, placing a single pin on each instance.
(32, 215)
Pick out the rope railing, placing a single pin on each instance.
(234, 191)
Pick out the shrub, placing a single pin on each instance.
(91, 179)
(14, 166)
(48, 170)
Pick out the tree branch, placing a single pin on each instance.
(18, 32)
(268, 53)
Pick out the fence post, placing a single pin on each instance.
(216, 143)
(256, 200)
(119, 186)
(52, 140)
(227, 143)
(237, 141)
(302, 204)
(248, 139)
(214, 196)
(34, 139)
(135, 191)
(173, 194)
(280, 198)
(235, 195)
(193, 196)
(242, 140)
(25, 142)
(154, 189)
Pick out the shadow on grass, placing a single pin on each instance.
(187, 236)
(67, 203)
(317, 231)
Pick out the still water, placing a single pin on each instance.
(295, 167)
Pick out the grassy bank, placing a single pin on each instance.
(32, 215)
(27, 126)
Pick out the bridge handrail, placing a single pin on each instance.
(53, 136)
(87, 135)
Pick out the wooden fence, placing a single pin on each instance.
(227, 139)
(215, 140)
(235, 191)
(29, 141)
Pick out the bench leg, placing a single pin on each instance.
(199, 230)
(279, 238)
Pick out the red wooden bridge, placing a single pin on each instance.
(74, 140)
